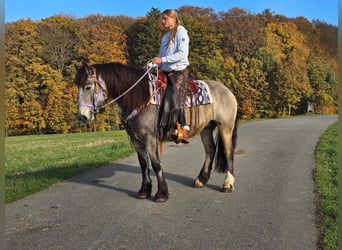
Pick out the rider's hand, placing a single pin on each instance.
(156, 60)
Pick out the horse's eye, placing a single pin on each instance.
(88, 88)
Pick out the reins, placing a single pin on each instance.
(98, 83)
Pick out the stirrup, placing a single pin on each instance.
(185, 133)
(180, 134)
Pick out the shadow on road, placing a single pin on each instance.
(98, 178)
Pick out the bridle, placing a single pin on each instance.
(102, 92)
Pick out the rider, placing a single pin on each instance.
(173, 57)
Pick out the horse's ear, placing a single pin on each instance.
(77, 68)
(87, 68)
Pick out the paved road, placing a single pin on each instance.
(271, 208)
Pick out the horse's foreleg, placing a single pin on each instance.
(162, 194)
(146, 185)
(209, 148)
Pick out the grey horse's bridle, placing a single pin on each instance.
(99, 93)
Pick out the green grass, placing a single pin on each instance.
(34, 163)
(326, 185)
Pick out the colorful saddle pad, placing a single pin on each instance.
(201, 97)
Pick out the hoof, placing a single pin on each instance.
(161, 198)
(227, 189)
(198, 183)
(145, 191)
(143, 195)
(228, 185)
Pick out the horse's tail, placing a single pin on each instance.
(221, 163)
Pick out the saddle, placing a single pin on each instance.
(162, 82)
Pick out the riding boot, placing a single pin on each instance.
(176, 133)
(185, 134)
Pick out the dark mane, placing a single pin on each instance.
(119, 78)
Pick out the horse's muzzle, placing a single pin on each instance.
(85, 115)
(82, 118)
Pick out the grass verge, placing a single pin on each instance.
(326, 186)
(35, 162)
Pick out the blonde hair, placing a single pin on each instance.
(172, 13)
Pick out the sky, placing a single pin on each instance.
(323, 10)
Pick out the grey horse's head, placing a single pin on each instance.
(92, 92)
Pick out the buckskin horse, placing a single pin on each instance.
(130, 88)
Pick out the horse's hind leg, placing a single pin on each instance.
(209, 148)
(226, 146)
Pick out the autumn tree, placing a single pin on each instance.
(58, 36)
(195, 12)
(270, 69)
(252, 88)
(327, 37)
(229, 77)
(324, 84)
(123, 21)
(51, 98)
(20, 53)
(205, 56)
(144, 38)
(288, 47)
(33, 85)
(241, 33)
(107, 42)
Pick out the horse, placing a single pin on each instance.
(129, 87)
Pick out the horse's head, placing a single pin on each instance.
(92, 92)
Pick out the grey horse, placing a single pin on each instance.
(129, 87)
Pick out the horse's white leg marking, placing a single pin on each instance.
(229, 181)
(198, 183)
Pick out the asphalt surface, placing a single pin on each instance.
(272, 207)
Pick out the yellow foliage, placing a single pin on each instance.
(108, 43)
